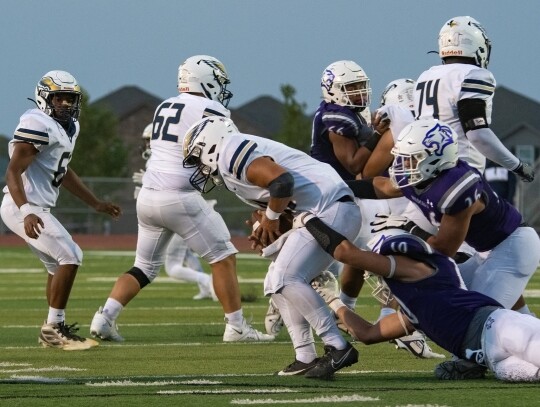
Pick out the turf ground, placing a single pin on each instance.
(174, 354)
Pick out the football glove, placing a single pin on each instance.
(385, 221)
(524, 171)
(137, 177)
(327, 286)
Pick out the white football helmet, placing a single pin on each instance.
(422, 150)
(465, 37)
(206, 75)
(147, 136)
(202, 144)
(345, 83)
(58, 82)
(399, 92)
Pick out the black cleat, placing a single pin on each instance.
(332, 361)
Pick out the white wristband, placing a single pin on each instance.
(270, 214)
(26, 210)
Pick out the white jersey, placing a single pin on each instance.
(44, 175)
(316, 185)
(172, 119)
(438, 91)
(399, 118)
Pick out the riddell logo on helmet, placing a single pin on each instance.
(184, 89)
(453, 53)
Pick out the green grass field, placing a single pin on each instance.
(174, 354)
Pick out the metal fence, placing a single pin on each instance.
(79, 218)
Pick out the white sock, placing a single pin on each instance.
(56, 315)
(235, 318)
(112, 308)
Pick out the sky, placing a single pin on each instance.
(108, 44)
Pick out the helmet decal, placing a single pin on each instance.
(328, 79)
(438, 138)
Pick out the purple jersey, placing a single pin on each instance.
(438, 305)
(340, 120)
(455, 190)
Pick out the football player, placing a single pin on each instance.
(40, 152)
(460, 93)
(455, 197)
(275, 177)
(343, 137)
(180, 261)
(429, 288)
(168, 204)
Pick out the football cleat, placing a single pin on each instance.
(417, 345)
(297, 368)
(244, 333)
(332, 361)
(64, 337)
(459, 369)
(273, 321)
(104, 328)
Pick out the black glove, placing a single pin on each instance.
(525, 172)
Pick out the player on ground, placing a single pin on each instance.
(168, 204)
(40, 152)
(433, 299)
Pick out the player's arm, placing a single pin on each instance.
(22, 157)
(473, 117)
(453, 229)
(390, 327)
(267, 174)
(381, 157)
(374, 188)
(75, 186)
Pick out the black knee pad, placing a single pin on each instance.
(139, 276)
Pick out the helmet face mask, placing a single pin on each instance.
(346, 84)
(64, 86)
(146, 152)
(202, 145)
(465, 37)
(422, 151)
(205, 75)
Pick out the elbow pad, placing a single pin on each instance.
(282, 186)
(472, 114)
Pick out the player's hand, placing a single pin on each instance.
(381, 123)
(33, 225)
(267, 232)
(138, 176)
(525, 172)
(384, 221)
(301, 219)
(109, 208)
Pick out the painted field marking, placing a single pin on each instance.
(130, 383)
(229, 391)
(21, 270)
(324, 399)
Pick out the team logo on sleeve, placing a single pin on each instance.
(328, 79)
(438, 138)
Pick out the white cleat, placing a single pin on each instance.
(63, 336)
(417, 345)
(244, 333)
(104, 328)
(273, 321)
